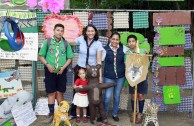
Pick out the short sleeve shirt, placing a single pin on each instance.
(94, 48)
(79, 82)
(50, 53)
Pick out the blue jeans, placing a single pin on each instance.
(116, 90)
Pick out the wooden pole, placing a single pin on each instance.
(135, 105)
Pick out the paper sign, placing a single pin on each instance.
(42, 106)
(171, 94)
(10, 83)
(24, 114)
(28, 52)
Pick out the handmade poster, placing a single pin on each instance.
(171, 94)
(28, 52)
(24, 115)
(10, 83)
(171, 35)
(72, 24)
(171, 61)
(172, 18)
(136, 68)
(27, 24)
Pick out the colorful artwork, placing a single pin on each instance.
(171, 61)
(10, 83)
(72, 24)
(136, 68)
(171, 94)
(171, 35)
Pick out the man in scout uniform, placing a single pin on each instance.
(56, 54)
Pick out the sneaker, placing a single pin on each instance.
(115, 118)
(49, 119)
(77, 119)
(85, 119)
(139, 118)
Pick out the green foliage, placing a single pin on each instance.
(79, 4)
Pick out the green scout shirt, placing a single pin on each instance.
(64, 54)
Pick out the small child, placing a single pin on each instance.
(142, 88)
(81, 98)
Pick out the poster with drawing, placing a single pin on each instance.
(136, 68)
(10, 83)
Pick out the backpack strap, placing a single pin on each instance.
(49, 43)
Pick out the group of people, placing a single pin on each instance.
(56, 57)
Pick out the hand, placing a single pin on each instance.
(51, 69)
(61, 70)
(80, 86)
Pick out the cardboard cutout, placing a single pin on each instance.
(136, 68)
(72, 24)
(94, 89)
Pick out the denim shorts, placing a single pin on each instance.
(54, 82)
(142, 88)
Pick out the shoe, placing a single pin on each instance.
(115, 118)
(77, 119)
(85, 119)
(139, 118)
(99, 119)
(49, 119)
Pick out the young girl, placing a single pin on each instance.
(81, 98)
(142, 88)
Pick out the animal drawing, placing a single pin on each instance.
(151, 114)
(15, 75)
(134, 73)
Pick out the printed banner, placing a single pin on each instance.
(136, 68)
(10, 83)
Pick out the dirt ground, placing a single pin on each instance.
(165, 118)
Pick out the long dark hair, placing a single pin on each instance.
(95, 36)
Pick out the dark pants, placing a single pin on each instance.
(73, 107)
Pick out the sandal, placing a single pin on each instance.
(77, 119)
(85, 119)
(139, 118)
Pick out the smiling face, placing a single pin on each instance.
(90, 32)
(82, 74)
(114, 40)
(58, 32)
(132, 43)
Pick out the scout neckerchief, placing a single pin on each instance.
(57, 53)
(115, 58)
(88, 47)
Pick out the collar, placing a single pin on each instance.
(55, 40)
(113, 48)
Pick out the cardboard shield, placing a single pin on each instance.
(136, 68)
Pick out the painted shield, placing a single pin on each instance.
(136, 68)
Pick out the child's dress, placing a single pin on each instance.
(81, 98)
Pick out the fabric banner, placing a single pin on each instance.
(136, 68)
